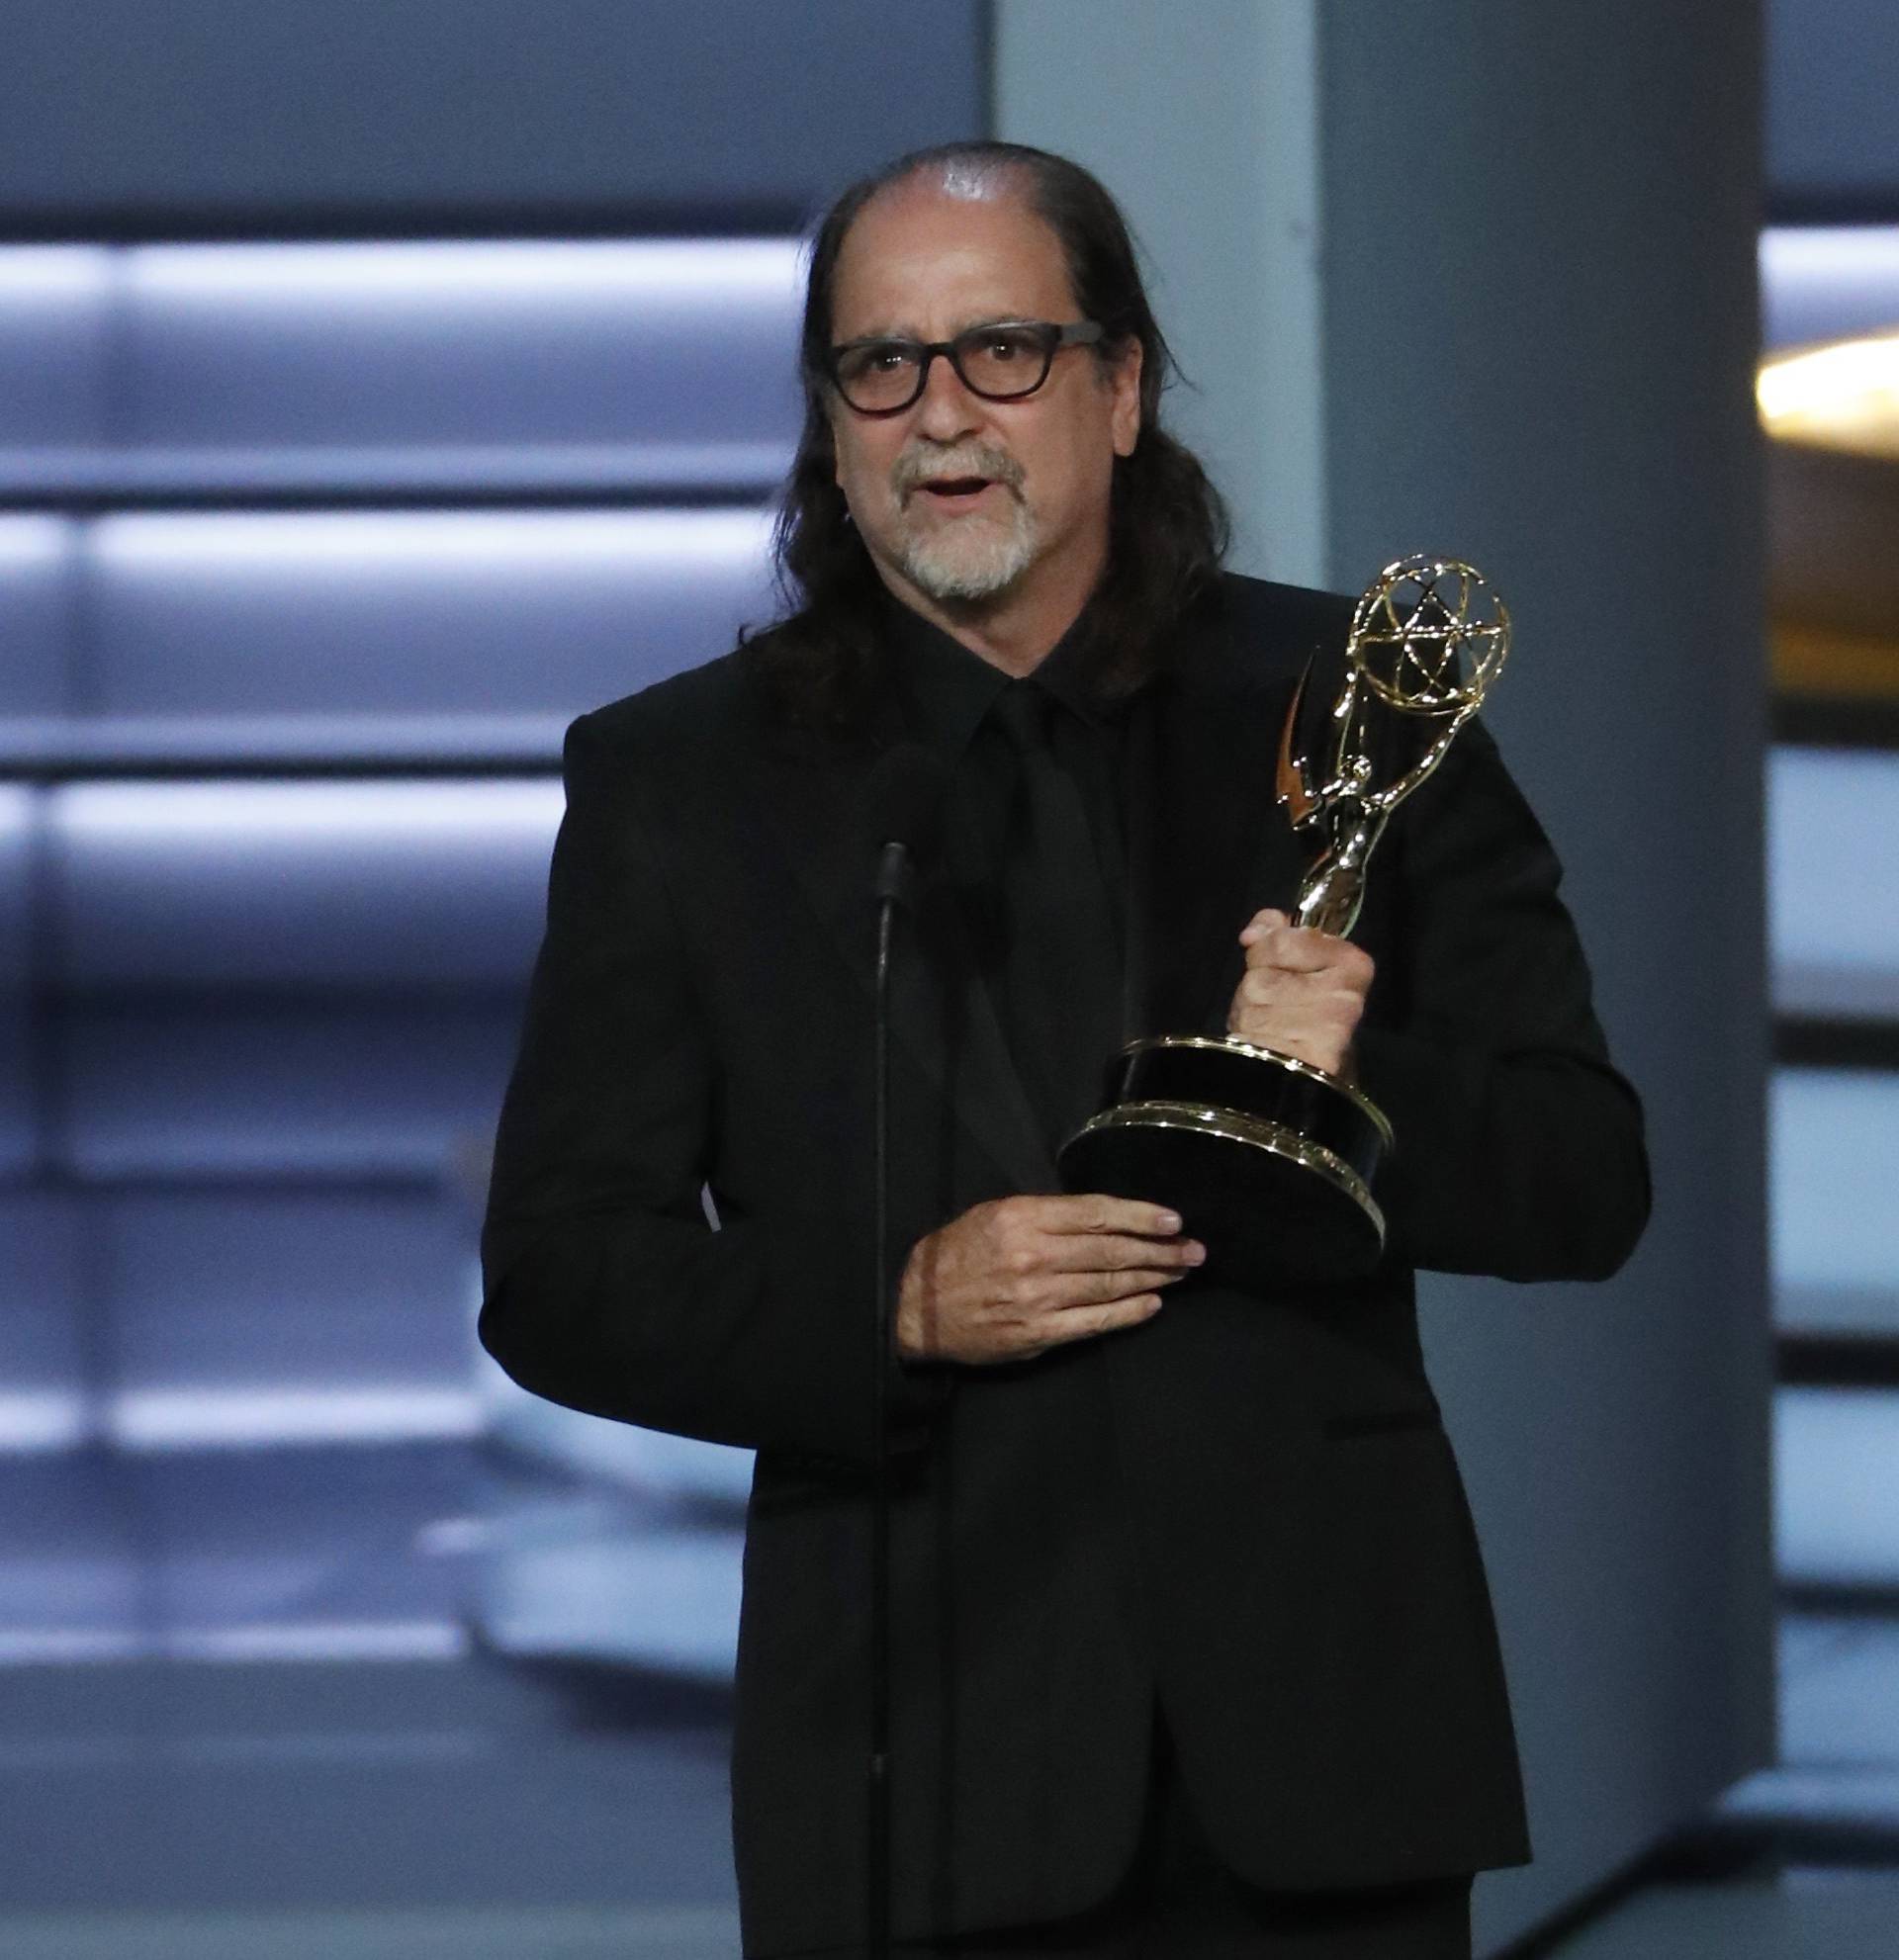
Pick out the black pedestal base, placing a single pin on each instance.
(1268, 1160)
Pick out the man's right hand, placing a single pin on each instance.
(1018, 1275)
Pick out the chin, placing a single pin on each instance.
(953, 567)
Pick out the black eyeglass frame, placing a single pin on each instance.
(1051, 336)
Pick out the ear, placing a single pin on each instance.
(1124, 382)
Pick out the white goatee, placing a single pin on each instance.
(969, 558)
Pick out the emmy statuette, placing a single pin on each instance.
(1270, 1161)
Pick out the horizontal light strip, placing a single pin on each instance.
(1823, 282)
(29, 542)
(539, 272)
(50, 1421)
(1836, 1454)
(312, 1639)
(1840, 1794)
(1840, 1312)
(1832, 841)
(38, 1422)
(727, 467)
(286, 741)
(535, 271)
(505, 543)
(1834, 1140)
(467, 816)
(58, 1752)
(17, 810)
(52, 272)
(318, 1640)
(211, 1418)
(31, 1647)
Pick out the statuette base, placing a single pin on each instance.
(1267, 1160)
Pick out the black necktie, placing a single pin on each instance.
(1061, 972)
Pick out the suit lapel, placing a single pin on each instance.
(814, 799)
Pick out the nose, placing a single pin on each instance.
(946, 409)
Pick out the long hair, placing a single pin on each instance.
(1167, 524)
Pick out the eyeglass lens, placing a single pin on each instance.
(998, 362)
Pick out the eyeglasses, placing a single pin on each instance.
(1001, 363)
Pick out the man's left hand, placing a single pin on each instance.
(1303, 992)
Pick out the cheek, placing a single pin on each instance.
(861, 470)
(1079, 473)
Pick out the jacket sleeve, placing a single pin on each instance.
(1520, 1149)
(606, 1288)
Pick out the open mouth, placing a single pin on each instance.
(957, 490)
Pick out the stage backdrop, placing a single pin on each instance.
(1461, 275)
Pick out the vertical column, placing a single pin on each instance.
(1541, 295)
(1203, 120)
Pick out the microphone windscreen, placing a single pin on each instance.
(905, 797)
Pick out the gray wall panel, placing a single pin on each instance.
(226, 1088)
(55, 313)
(1833, 77)
(224, 107)
(19, 1125)
(290, 1539)
(20, 1142)
(266, 1290)
(248, 613)
(38, 602)
(21, 818)
(1541, 340)
(387, 345)
(312, 886)
(44, 1364)
(70, 1579)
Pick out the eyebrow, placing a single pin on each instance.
(909, 333)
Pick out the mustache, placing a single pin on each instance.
(919, 466)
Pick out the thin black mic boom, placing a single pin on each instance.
(905, 796)
(905, 799)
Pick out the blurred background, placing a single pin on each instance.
(384, 383)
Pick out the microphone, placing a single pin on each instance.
(905, 799)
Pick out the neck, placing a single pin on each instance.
(1015, 630)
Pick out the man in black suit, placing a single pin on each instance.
(1193, 1650)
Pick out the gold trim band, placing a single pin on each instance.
(1254, 1131)
(1232, 1045)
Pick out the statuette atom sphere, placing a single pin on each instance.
(1428, 636)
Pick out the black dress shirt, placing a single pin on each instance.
(1060, 1033)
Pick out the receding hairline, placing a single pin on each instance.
(967, 179)
(976, 177)
(975, 182)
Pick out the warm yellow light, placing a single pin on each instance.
(1841, 396)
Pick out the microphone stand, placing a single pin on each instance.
(895, 886)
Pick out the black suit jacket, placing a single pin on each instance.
(1245, 1508)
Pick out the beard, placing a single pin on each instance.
(965, 558)
(969, 558)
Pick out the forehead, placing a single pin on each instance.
(919, 259)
